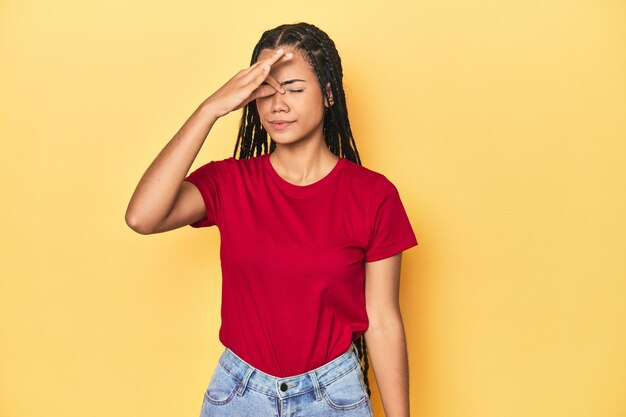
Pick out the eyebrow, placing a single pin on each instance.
(288, 81)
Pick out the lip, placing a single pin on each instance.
(281, 124)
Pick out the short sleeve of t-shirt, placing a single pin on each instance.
(390, 228)
(207, 179)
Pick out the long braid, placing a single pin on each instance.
(336, 74)
(322, 55)
(362, 353)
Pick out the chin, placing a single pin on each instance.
(290, 140)
(283, 141)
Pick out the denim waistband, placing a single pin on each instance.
(253, 378)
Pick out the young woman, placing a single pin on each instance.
(311, 240)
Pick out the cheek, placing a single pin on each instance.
(314, 102)
(263, 106)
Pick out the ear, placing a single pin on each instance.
(330, 94)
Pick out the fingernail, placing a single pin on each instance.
(289, 55)
(279, 51)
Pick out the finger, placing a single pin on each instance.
(262, 76)
(260, 66)
(277, 55)
(262, 91)
(262, 80)
(274, 83)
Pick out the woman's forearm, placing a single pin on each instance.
(156, 192)
(387, 351)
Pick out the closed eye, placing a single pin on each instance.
(296, 91)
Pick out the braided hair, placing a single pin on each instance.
(320, 53)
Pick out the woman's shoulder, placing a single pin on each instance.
(233, 169)
(364, 176)
(233, 163)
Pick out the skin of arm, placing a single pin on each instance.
(385, 337)
(158, 189)
(162, 200)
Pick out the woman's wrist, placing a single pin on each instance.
(208, 110)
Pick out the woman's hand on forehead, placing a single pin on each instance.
(266, 65)
(246, 85)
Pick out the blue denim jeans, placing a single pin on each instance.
(237, 389)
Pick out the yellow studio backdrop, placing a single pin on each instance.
(503, 125)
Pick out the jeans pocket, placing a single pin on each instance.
(346, 392)
(222, 388)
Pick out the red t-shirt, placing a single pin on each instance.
(293, 257)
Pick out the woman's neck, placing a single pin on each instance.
(301, 165)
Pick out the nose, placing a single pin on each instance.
(278, 102)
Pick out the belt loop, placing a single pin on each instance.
(316, 386)
(244, 382)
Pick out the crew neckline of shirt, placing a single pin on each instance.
(302, 189)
